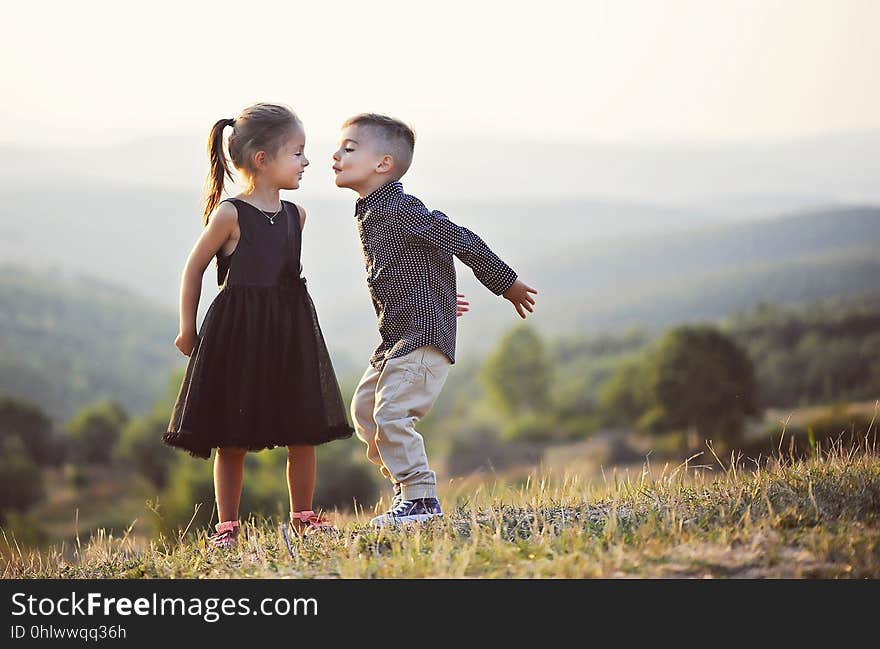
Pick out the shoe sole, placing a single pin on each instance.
(403, 520)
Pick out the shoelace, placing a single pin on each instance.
(402, 508)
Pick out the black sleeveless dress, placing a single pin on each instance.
(259, 375)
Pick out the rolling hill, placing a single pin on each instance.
(71, 339)
(659, 280)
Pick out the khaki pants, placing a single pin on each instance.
(385, 408)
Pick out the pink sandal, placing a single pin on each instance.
(308, 522)
(226, 536)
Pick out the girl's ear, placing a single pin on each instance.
(259, 159)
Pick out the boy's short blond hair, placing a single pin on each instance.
(393, 137)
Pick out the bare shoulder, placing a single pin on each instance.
(224, 216)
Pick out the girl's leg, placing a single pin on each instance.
(301, 471)
(228, 476)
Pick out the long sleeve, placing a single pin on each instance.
(435, 228)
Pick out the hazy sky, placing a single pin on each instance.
(101, 72)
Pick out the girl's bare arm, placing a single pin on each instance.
(221, 226)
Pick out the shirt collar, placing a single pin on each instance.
(378, 196)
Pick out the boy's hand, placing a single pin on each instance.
(518, 294)
(185, 342)
(461, 306)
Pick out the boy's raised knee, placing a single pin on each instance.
(389, 414)
(362, 409)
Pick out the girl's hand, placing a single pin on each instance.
(518, 294)
(185, 342)
(461, 306)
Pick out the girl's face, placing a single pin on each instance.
(286, 168)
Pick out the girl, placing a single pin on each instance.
(258, 374)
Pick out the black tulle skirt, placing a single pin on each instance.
(259, 375)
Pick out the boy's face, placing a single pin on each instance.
(356, 163)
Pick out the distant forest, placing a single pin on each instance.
(66, 343)
(819, 353)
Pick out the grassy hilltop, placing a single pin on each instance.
(709, 517)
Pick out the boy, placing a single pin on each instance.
(408, 252)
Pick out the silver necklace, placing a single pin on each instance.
(271, 218)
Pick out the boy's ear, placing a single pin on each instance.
(385, 165)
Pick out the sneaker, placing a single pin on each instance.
(409, 511)
(226, 536)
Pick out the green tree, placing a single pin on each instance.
(94, 431)
(140, 443)
(21, 480)
(141, 447)
(28, 423)
(701, 382)
(517, 374)
(344, 476)
(625, 397)
(871, 354)
(190, 487)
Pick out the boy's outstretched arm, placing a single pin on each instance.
(435, 228)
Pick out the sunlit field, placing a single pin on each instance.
(707, 517)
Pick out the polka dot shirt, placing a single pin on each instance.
(408, 252)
